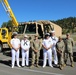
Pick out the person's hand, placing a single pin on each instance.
(36, 51)
(16, 49)
(47, 48)
(26, 49)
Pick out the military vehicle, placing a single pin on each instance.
(39, 28)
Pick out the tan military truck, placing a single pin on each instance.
(39, 28)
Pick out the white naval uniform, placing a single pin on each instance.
(25, 45)
(54, 40)
(15, 42)
(47, 53)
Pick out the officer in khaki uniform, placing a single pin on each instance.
(68, 49)
(36, 47)
(60, 50)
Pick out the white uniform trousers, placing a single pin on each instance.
(47, 53)
(25, 54)
(55, 55)
(15, 54)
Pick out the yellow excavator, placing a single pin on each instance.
(5, 36)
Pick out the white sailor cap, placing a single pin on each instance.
(25, 36)
(47, 34)
(53, 31)
(14, 33)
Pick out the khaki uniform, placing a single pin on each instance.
(60, 49)
(68, 49)
(36, 45)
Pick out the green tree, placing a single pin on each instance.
(8, 25)
(4, 24)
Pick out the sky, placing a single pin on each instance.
(26, 10)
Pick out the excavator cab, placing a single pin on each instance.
(3, 37)
(4, 34)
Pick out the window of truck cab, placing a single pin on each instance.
(30, 29)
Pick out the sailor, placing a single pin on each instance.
(25, 45)
(47, 51)
(15, 43)
(54, 40)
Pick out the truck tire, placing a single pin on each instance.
(0, 47)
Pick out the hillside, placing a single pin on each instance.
(67, 24)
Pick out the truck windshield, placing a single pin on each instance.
(30, 29)
(21, 29)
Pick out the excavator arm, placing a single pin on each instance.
(9, 12)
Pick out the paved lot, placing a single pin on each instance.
(5, 68)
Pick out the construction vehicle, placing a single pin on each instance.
(29, 28)
(5, 36)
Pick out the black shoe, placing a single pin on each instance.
(27, 65)
(55, 65)
(23, 66)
